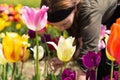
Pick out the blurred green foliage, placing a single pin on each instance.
(31, 3)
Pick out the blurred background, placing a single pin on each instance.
(32, 3)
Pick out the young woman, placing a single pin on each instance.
(82, 19)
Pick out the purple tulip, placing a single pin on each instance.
(91, 74)
(91, 61)
(45, 38)
(68, 74)
(31, 34)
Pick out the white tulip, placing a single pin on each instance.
(40, 52)
(65, 48)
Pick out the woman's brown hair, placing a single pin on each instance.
(55, 5)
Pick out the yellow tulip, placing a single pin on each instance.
(65, 48)
(26, 55)
(14, 46)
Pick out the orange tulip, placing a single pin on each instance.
(113, 44)
(118, 21)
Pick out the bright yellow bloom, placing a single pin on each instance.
(18, 26)
(3, 24)
(65, 48)
(26, 56)
(18, 7)
(14, 46)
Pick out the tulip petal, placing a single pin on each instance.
(108, 54)
(40, 52)
(52, 43)
(41, 18)
(35, 19)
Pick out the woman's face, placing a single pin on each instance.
(66, 23)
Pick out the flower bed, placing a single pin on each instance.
(30, 45)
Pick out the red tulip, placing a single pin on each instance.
(113, 44)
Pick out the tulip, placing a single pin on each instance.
(40, 52)
(65, 48)
(26, 56)
(91, 61)
(31, 34)
(114, 42)
(35, 19)
(118, 21)
(68, 74)
(110, 58)
(14, 46)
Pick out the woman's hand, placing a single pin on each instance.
(55, 64)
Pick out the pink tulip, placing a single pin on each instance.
(35, 19)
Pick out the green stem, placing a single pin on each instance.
(22, 68)
(46, 47)
(4, 72)
(96, 73)
(119, 72)
(47, 52)
(65, 64)
(37, 61)
(14, 71)
(111, 74)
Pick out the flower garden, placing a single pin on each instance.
(28, 43)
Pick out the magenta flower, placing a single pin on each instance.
(91, 61)
(35, 19)
(68, 74)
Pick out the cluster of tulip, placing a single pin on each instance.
(40, 40)
(15, 47)
(10, 18)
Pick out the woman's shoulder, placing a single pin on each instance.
(86, 8)
(96, 4)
